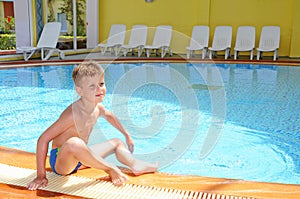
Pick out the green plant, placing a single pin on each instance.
(7, 41)
(7, 25)
(51, 11)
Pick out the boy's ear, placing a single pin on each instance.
(78, 90)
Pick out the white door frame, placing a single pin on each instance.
(74, 25)
(92, 17)
(23, 23)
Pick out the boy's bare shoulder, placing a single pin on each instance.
(100, 106)
(67, 114)
(102, 110)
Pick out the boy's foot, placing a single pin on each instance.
(144, 167)
(117, 177)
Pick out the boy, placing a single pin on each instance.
(70, 134)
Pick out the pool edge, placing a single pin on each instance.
(24, 159)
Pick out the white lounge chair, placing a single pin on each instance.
(245, 41)
(199, 41)
(269, 41)
(46, 44)
(161, 41)
(221, 41)
(137, 40)
(115, 39)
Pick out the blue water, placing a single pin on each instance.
(218, 120)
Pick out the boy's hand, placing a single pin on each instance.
(130, 144)
(37, 183)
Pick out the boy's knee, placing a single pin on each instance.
(117, 141)
(73, 144)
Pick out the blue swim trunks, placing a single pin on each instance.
(53, 156)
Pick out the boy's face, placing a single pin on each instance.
(92, 89)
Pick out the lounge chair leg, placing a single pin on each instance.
(148, 53)
(103, 50)
(226, 53)
(275, 55)
(258, 55)
(156, 52)
(25, 56)
(42, 54)
(112, 51)
(203, 53)
(140, 51)
(188, 54)
(251, 55)
(117, 50)
(124, 52)
(235, 54)
(163, 52)
(46, 55)
(61, 54)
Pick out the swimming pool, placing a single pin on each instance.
(218, 120)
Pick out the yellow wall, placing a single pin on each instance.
(295, 37)
(183, 15)
(1, 13)
(130, 12)
(34, 22)
(256, 13)
(1, 10)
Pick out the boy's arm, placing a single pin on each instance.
(41, 154)
(53, 131)
(113, 120)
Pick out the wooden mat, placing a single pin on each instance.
(91, 188)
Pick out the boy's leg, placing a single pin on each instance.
(75, 150)
(118, 147)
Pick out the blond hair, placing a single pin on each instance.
(86, 69)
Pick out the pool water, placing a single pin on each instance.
(220, 120)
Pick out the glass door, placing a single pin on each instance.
(73, 33)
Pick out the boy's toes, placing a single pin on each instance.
(116, 182)
(120, 181)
